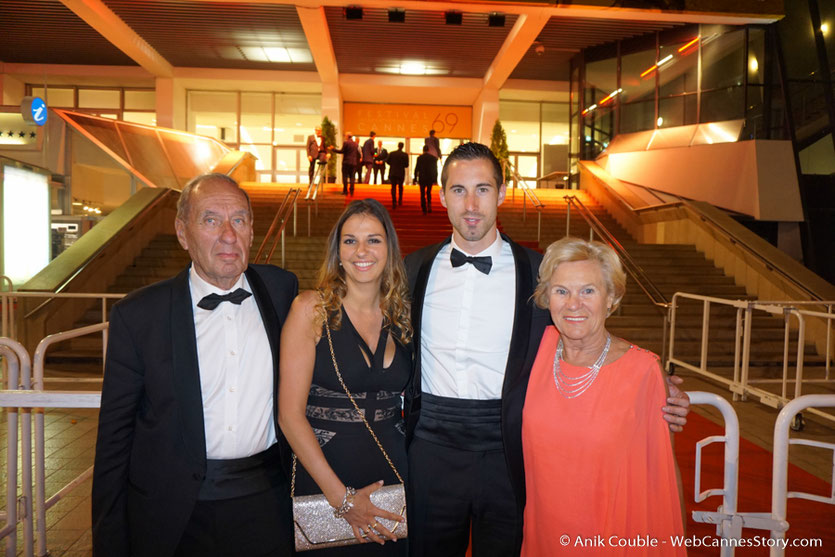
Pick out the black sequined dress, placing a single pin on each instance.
(346, 443)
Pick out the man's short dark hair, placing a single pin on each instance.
(431, 132)
(426, 148)
(400, 144)
(469, 152)
(184, 203)
(373, 134)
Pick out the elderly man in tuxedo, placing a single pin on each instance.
(477, 332)
(189, 457)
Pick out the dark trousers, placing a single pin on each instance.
(381, 170)
(311, 170)
(260, 524)
(451, 491)
(425, 197)
(347, 177)
(395, 183)
(367, 179)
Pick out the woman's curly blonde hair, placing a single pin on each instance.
(394, 288)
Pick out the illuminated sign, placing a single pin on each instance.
(33, 110)
(408, 120)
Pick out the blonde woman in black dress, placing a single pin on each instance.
(362, 292)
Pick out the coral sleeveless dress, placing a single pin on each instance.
(599, 468)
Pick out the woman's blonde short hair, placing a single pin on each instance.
(577, 249)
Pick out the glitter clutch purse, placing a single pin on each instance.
(315, 525)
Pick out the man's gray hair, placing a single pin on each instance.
(184, 203)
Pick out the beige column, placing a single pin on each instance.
(165, 103)
(485, 114)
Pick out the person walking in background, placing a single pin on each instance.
(398, 162)
(368, 157)
(426, 175)
(317, 152)
(350, 159)
(189, 459)
(433, 144)
(380, 156)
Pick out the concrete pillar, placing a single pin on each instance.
(165, 102)
(485, 114)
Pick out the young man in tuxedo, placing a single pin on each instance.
(426, 175)
(189, 457)
(477, 332)
(368, 157)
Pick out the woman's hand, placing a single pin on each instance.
(363, 516)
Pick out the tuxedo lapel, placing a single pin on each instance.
(522, 314)
(272, 325)
(186, 370)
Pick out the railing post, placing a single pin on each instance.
(524, 208)
(539, 226)
(567, 215)
(295, 212)
(282, 248)
(746, 350)
(828, 341)
(705, 329)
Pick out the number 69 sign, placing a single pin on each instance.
(408, 120)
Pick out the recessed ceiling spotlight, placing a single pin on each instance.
(353, 13)
(453, 18)
(397, 15)
(495, 19)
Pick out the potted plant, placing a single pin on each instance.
(329, 137)
(498, 145)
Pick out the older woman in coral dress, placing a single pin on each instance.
(600, 474)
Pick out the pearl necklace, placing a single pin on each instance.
(572, 387)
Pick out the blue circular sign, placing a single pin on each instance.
(38, 109)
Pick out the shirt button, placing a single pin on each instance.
(229, 318)
(231, 389)
(231, 428)
(232, 352)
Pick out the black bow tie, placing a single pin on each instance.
(211, 301)
(483, 263)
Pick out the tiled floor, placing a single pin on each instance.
(70, 442)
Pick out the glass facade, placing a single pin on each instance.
(131, 104)
(688, 75)
(272, 126)
(537, 137)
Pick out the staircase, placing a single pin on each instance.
(673, 268)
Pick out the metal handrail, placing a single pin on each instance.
(596, 227)
(4, 280)
(277, 227)
(529, 194)
(658, 299)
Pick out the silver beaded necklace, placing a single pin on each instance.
(572, 387)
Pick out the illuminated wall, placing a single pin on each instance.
(25, 228)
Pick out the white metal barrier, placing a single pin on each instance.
(18, 509)
(41, 502)
(729, 521)
(780, 464)
(741, 384)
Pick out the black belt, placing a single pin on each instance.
(470, 425)
(238, 477)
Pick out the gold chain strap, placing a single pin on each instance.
(356, 407)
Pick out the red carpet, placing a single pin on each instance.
(807, 519)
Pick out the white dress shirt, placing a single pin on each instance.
(467, 323)
(236, 373)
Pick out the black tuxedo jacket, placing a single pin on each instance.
(528, 325)
(151, 447)
(398, 162)
(426, 170)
